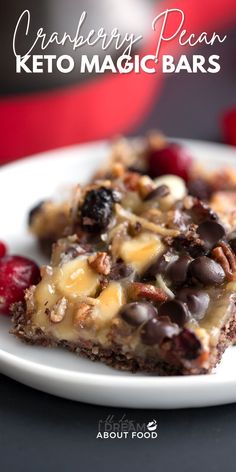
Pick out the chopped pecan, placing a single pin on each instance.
(140, 290)
(82, 315)
(30, 302)
(118, 170)
(46, 270)
(57, 314)
(131, 180)
(100, 262)
(224, 255)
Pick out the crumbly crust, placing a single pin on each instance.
(114, 357)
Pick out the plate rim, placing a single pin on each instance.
(48, 370)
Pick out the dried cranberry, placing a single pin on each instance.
(16, 274)
(172, 159)
(187, 345)
(96, 211)
(156, 330)
(3, 249)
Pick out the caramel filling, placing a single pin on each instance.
(77, 283)
(141, 250)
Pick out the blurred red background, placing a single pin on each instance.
(44, 111)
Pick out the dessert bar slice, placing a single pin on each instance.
(144, 281)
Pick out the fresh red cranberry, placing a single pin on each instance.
(171, 159)
(3, 249)
(16, 274)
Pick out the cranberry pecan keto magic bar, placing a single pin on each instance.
(144, 280)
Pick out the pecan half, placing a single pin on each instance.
(150, 292)
(100, 262)
(82, 316)
(224, 255)
(57, 313)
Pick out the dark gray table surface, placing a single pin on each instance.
(39, 432)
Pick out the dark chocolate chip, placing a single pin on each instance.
(200, 188)
(200, 212)
(197, 301)
(96, 210)
(211, 232)
(158, 267)
(136, 313)
(137, 170)
(36, 209)
(190, 244)
(206, 271)
(177, 270)
(156, 330)
(120, 270)
(159, 192)
(186, 345)
(176, 310)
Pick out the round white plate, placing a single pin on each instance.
(59, 372)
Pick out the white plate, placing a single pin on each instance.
(62, 373)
